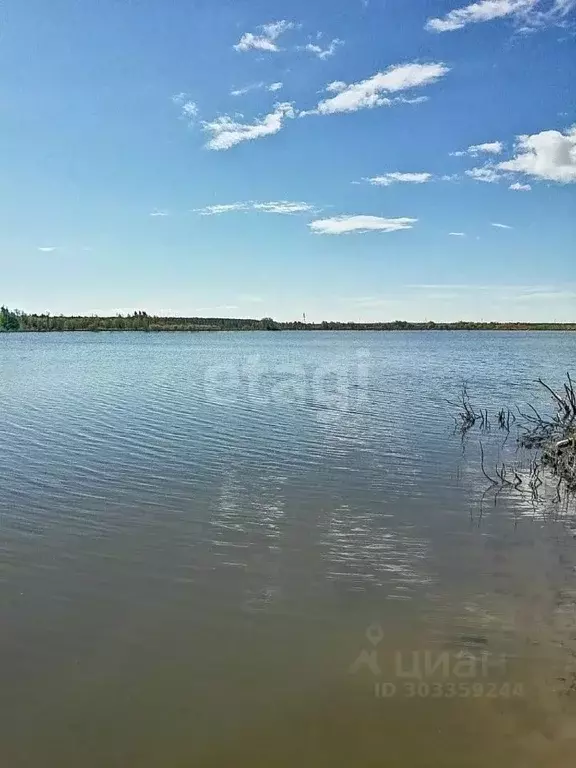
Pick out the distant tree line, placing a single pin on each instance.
(10, 320)
(15, 320)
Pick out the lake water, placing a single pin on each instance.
(270, 549)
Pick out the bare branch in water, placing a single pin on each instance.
(552, 437)
(486, 475)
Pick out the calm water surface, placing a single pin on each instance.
(269, 549)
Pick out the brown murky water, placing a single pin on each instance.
(270, 549)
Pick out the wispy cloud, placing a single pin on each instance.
(529, 14)
(481, 287)
(265, 39)
(246, 89)
(227, 132)
(214, 210)
(517, 187)
(486, 174)
(546, 296)
(343, 225)
(370, 93)
(285, 207)
(324, 53)
(272, 87)
(490, 148)
(156, 213)
(387, 179)
(549, 155)
(188, 108)
(47, 248)
(500, 226)
(546, 13)
(484, 10)
(457, 234)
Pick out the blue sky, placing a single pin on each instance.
(348, 159)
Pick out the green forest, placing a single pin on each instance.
(16, 320)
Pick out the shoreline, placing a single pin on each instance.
(58, 325)
(15, 321)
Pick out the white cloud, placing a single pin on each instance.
(47, 248)
(324, 53)
(266, 39)
(275, 206)
(549, 155)
(530, 13)
(392, 178)
(276, 28)
(370, 93)
(159, 213)
(484, 10)
(227, 132)
(272, 87)
(563, 7)
(283, 206)
(336, 86)
(546, 296)
(213, 210)
(343, 225)
(500, 226)
(188, 108)
(554, 13)
(414, 100)
(457, 234)
(517, 187)
(487, 174)
(246, 89)
(490, 148)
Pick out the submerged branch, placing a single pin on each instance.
(553, 438)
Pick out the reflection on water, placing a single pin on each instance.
(202, 534)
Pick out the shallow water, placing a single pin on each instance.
(271, 549)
